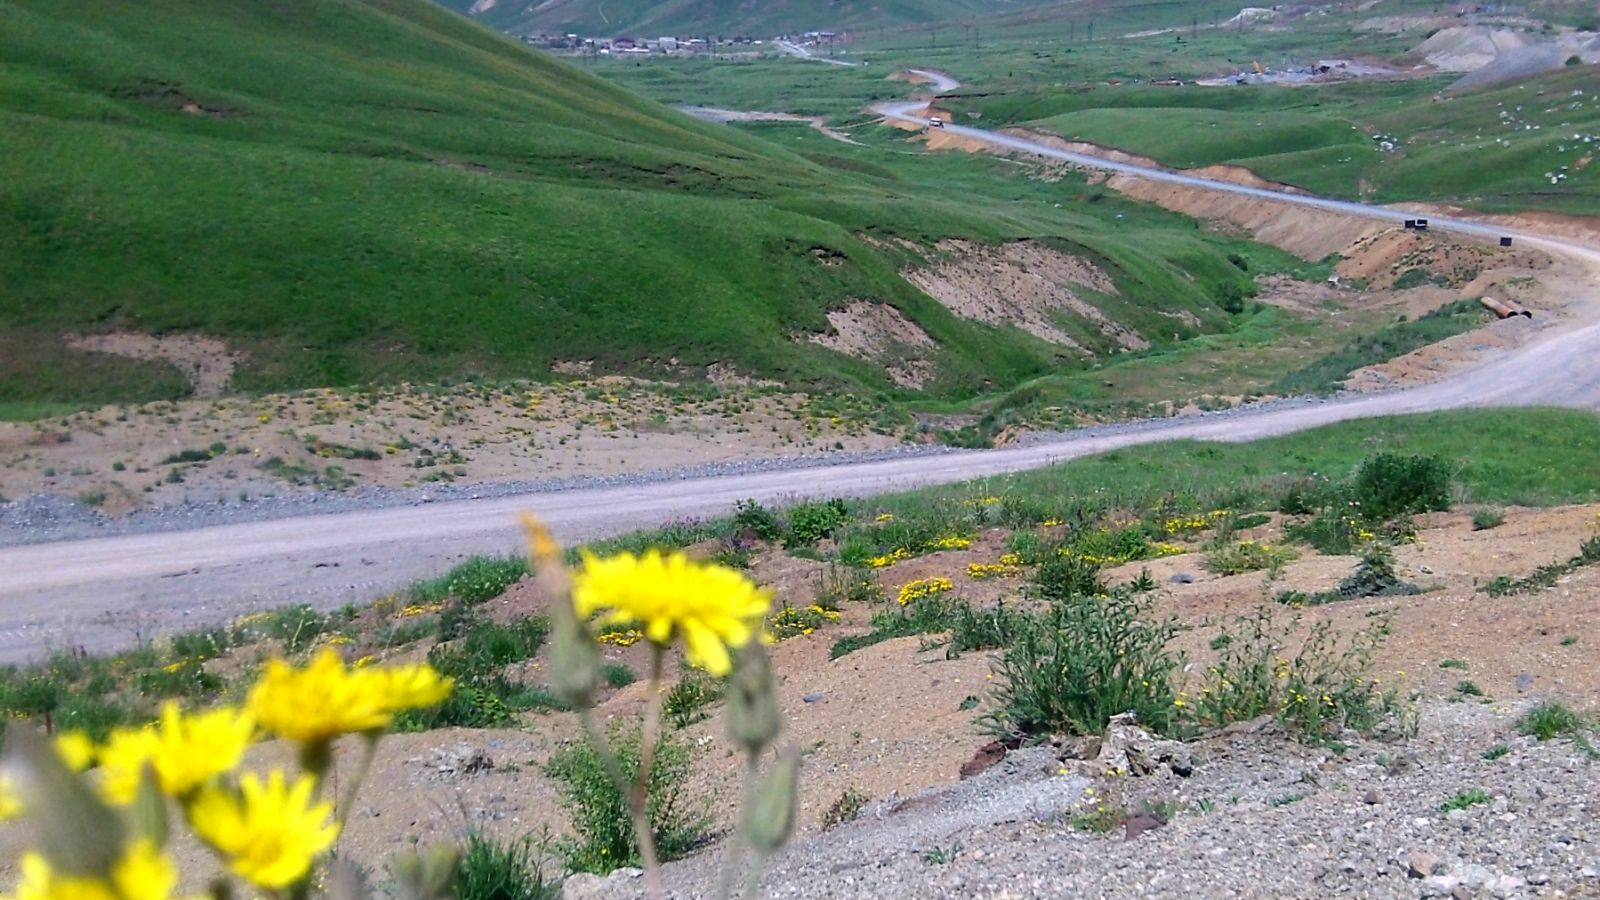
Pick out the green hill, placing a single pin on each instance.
(375, 191)
(762, 18)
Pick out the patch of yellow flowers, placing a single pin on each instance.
(102, 811)
(988, 571)
(912, 591)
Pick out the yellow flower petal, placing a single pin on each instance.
(270, 832)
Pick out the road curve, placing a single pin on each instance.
(104, 592)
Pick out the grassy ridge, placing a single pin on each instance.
(380, 190)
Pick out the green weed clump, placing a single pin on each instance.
(1547, 575)
(1249, 556)
(1072, 667)
(687, 701)
(1324, 687)
(812, 522)
(509, 870)
(1374, 503)
(599, 813)
(474, 581)
(844, 809)
(1465, 800)
(1552, 719)
(1487, 518)
(485, 697)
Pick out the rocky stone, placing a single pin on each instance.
(984, 759)
(1139, 823)
(1372, 797)
(1421, 864)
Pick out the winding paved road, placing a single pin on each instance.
(103, 592)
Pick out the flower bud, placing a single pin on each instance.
(769, 818)
(754, 719)
(574, 658)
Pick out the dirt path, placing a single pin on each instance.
(103, 592)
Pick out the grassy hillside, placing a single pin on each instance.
(1494, 149)
(380, 190)
(761, 18)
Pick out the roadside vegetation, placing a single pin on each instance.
(1349, 488)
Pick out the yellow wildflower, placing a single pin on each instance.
(923, 587)
(143, 873)
(711, 607)
(326, 699)
(185, 751)
(76, 749)
(270, 832)
(412, 687)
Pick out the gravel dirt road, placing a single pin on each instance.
(103, 592)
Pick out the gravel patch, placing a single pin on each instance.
(1259, 816)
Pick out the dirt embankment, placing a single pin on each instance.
(1025, 284)
(879, 333)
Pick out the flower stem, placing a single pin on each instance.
(737, 844)
(639, 801)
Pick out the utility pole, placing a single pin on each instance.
(933, 40)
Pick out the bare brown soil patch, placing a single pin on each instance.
(206, 362)
(1021, 283)
(877, 332)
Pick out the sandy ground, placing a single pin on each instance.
(889, 720)
(125, 457)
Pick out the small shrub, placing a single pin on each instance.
(618, 675)
(1465, 800)
(845, 809)
(1248, 556)
(1324, 686)
(1452, 663)
(598, 810)
(811, 522)
(491, 870)
(1375, 576)
(1061, 576)
(1468, 688)
(1389, 485)
(1496, 752)
(1072, 667)
(686, 701)
(1485, 519)
(757, 519)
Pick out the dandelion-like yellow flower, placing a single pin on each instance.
(184, 750)
(326, 699)
(143, 873)
(711, 607)
(411, 687)
(269, 831)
